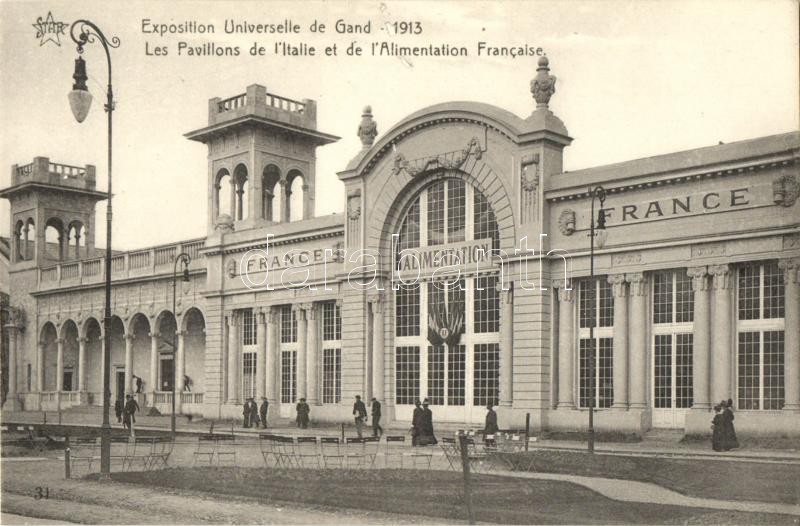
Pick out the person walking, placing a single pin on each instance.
(249, 410)
(490, 427)
(427, 436)
(729, 439)
(131, 407)
(377, 430)
(360, 414)
(716, 429)
(263, 411)
(302, 413)
(138, 383)
(416, 423)
(118, 407)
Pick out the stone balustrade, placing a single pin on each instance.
(257, 102)
(42, 170)
(137, 263)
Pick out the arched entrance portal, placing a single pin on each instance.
(447, 310)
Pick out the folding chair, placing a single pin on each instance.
(140, 452)
(226, 449)
(83, 450)
(269, 453)
(371, 445)
(206, 446)
(331, 453)
(451, 453)
(395, 447)
(162, 449)
(421, 456)
(307, 452)
(119, 451)
(354, 452)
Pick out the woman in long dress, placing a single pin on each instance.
(416, 423)
(729, 432)
(717, 431)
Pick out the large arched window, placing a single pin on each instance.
(458, 373)
(270, 193)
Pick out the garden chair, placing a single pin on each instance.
(226, 449)
(451, 453)
(307, 452)
(371, 445)
(162, 449)
(83, 450)
(206, 446)
(395, 447)
(120, 446)
(268, 449)
(332, 455)
(354, 452)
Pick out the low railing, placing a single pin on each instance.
(235, 102)
(156, 260)
(70, 270)
(25, 170)
(162, 397)
(140, 259)
(67, 171)
(282, 103)
(191, 398)
(49, 396)
(70, 396)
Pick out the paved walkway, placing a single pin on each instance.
(632, 491)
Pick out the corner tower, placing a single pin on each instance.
(261, 159)
(52, 212)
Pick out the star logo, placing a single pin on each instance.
(48, 30)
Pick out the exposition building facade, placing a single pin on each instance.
(459, 272)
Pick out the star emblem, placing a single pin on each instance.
(48, 30)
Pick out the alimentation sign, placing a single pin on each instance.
(465, 253)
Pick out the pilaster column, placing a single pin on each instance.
(261, 355)
(312, 354)
(233, 358)
(701, 338)
(507, 346)
(791, 343)
(180, 369)
(12, 363)
(40, 366)
(566, 342)
(378, 350)
(300, 312)
(637, 357)
(721, 350)
(128, 363)
(60, 365)
(82, 364)
(620, 353)
(154, 336)
(273, 363)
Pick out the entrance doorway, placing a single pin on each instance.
(119, 374)
(67, 380)
(167, 376)
(672, 379)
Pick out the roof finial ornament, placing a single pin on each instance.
(543, 85)
(368, 128)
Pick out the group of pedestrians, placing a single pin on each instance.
(126, 411)
(360, 417)
(723, 436)
(422, 425)
(255, 415)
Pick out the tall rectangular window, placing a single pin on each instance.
(248, 375)
(436, 372)
(406, 374)
(288, 376)
(456, 374)
(331, 376)
(760, 336)
(485, 226)
(288, 325)
(597, 359)
(248, 327)
(456, 210)
(594, 297)
(436, 208)
(486, 379)
(487, 305)
(407, 310)
(331, 321)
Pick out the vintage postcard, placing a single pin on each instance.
(364, 262)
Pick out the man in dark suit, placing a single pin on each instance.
(360, 414)
(263, 411)
(377, 430)
(247, 412)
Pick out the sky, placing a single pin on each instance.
(634, 79)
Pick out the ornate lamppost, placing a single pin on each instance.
(80, 100)
(597, 235)
(185, 259)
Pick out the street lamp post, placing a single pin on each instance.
(186, 259)
(599, 193)
(80, 101)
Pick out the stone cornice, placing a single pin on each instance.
(654, 180)
(262, 244)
